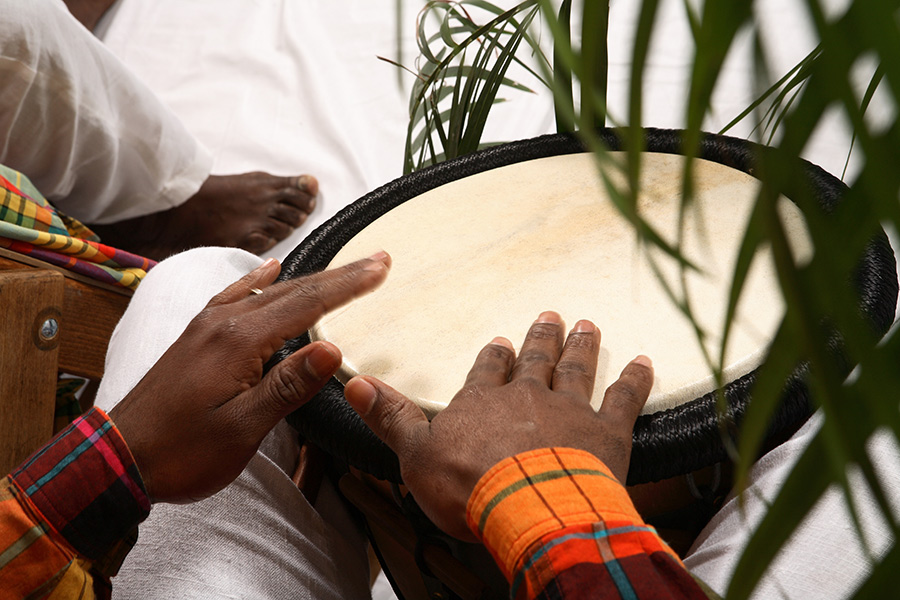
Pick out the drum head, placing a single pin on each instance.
(482, 244)
(482, 256)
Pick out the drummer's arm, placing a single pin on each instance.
(520, 459)
(558, 523)
(67, 514)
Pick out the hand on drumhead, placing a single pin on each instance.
(198, 416)
(508, 405)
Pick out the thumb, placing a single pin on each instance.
(393, 417)
(290, 384)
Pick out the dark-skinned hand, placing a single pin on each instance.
(198, 416)
(508, 405)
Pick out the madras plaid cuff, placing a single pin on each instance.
(527, 497)
(86, 485)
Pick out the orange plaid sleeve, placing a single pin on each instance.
(69, 514)
(560, 525)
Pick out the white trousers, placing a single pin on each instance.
(93, 138)
(825, 558)
(257, 538)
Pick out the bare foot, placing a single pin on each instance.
(89, 11)
(253, 211)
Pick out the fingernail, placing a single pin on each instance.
(322, 361)
(380, 260)
(643, 360)
(268, 264)
(360, 394)
(502, 341)
(584, 327)
(548, 317)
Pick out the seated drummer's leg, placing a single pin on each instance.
(81, 126)
(257, 538)
(100, 145)
(824, 559)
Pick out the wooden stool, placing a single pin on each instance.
(53, 320)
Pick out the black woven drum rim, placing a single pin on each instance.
(667, 443)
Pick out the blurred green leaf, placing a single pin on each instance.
(464, 65)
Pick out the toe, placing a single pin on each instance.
(287, 214)
(277, 229)
(298, 197)
(258, 242)
(297, 200)
(306, 183)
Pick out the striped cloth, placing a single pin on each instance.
(69, 514)
(561, 526)
(32, 226)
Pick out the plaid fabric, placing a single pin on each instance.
(561, 526)
(67, 406)
(32, 226)
(68, 513)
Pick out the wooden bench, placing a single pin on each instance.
(52, 320)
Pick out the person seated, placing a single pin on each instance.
(100, 146)
(179, 436)
(89, 12)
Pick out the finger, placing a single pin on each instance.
(493, 364)
(541, 349)
(288, 386)
(258, 278)
(334, 287)
(577, 367)
(625, 398)
(291, 307)
(393, 417)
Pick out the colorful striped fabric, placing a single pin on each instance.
(69, 513)
(561, 526)
(32, 226)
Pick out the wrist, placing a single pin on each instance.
(86, 485)
(527, 496)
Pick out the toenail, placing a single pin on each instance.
(308, 184)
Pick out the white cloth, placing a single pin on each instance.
(258, 538)
(87, 132)
(824, 558)
(288, 87)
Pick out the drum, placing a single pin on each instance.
(482, 244)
